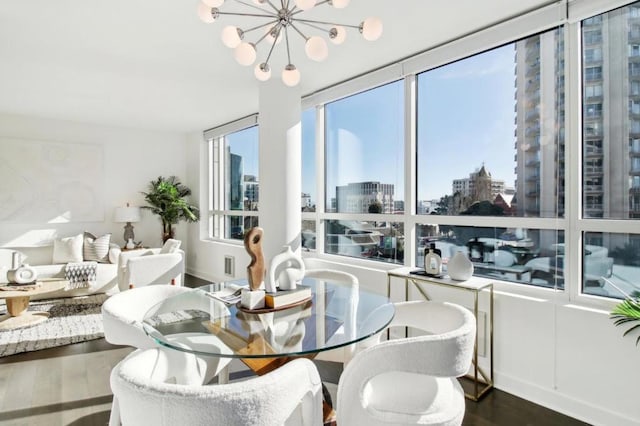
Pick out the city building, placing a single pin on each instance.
(357, 197)
(539, 153)
(479, 186)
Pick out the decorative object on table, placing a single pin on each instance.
(433, 262)
(285, 298)
(254, 298)
(278, 20)
(166, 198)
(127, 215)
(285, 271)
(460, 267)
(19, 273)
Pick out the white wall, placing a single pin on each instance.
(131, 158)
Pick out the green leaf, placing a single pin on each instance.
(166, 198)
(627, 311)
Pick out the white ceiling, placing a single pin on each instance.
(155, 65)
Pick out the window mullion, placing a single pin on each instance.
(573, 161)
(410, 175)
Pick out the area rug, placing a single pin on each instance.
(71, 320)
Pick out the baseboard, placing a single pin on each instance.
(203, 275)
(557, 401)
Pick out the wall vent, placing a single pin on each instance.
(229, 265)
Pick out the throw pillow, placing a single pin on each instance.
(96, 248)
(67, 249)
(170, 246)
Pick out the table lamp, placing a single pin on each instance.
(127, 214)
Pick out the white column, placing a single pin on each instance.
(280, 167)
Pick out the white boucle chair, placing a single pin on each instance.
(343, 354)
(122, 316)
(163, 387)
(411, 381)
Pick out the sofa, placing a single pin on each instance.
(41, 259)
(116, 269)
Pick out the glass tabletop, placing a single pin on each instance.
(337, 315)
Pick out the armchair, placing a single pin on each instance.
(411, 380)
(162, 386)
(150, 266)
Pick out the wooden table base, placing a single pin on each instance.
(9, 322)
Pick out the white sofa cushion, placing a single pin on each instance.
(67, 249)
(96, 248)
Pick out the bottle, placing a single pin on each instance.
(432, 263)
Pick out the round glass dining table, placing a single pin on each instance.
(335, 316)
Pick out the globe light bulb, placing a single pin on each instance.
(340, 4)
(262, 71)
(291, 75)
(371, 28)
(316, 49)
(207, 14)
(305, 4)
(232, 36)
(213, 3)
(245, 54)
(337, 34)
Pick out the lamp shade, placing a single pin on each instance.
(126, 214)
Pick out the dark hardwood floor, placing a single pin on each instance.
(69, 385)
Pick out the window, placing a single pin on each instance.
(489, 160)
(593, 54)
(593, 91)
(593, 111)
(592, 37)
(309, 197)
(611, 176)
(364, 164)
(468, 106)
(528, 256)
(234, 184)
(592, 73)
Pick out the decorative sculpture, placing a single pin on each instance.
(254, 299)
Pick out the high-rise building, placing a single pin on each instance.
(539, 146)
(235, 174)
(358, 196)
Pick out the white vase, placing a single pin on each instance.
(24, 274)
(130, 244)
(460, 267)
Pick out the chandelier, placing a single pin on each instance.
(283, 19)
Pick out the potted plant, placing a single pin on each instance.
(627, 312)
(166, 198)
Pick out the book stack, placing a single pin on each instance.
(287, 297)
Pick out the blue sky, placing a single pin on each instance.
(466, 113)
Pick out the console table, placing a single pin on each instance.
(475, 285)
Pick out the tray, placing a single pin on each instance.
(267, 310)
